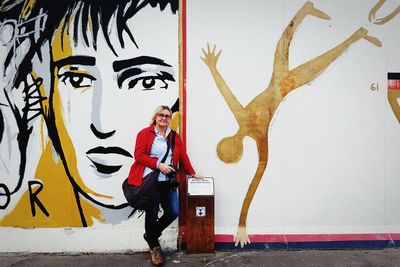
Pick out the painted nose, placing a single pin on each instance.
(99, 134)
(104, 111)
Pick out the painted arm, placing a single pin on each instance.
(211, 59)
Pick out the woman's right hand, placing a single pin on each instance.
(165, 168)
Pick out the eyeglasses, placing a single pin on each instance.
(162, 115)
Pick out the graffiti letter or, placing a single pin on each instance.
(5, 194)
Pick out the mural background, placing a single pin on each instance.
(79, 80)
(334, 142)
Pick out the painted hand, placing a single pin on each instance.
(210, 58)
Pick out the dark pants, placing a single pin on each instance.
(169, 202)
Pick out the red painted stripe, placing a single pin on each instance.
(312, 237)
(182, 191)
(394, 84)
(184, 73)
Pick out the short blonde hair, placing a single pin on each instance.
(158, 110)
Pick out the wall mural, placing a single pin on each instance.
(255, 118)
(79, 79)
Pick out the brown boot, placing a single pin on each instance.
(156, 257)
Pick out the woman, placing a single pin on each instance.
(150, 150)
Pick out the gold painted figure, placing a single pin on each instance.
(254, 119)
(381, 21)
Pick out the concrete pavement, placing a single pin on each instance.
(364, 258)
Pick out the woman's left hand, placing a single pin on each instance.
(198, 176)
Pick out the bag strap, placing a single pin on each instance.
(168, 145)
(173, 140)
(173, 134)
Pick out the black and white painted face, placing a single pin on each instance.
(101, 100)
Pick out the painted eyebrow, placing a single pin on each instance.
(78, 60)
(126, 63)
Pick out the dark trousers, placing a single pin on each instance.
(169, 202)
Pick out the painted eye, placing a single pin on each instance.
(148, 83)
(77, 80)
(139, 79)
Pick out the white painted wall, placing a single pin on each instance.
(124, 237)
(334, 143)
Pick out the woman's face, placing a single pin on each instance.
(163, 119)
(100, 99)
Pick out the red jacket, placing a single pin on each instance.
(144, 140)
